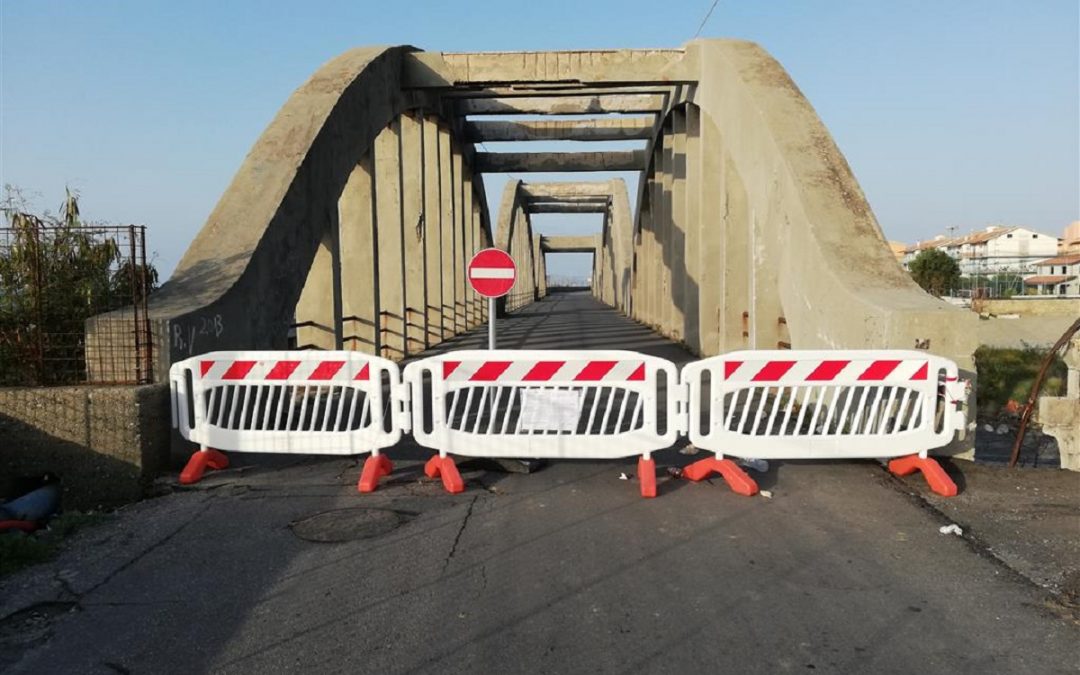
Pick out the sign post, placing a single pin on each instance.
(492, 274)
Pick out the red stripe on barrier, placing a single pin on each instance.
(772, 371)
(449, 367)
(879, 370)
(730, 367)
(638, 375)
(543, 371)
(238, 370)
(204, 367)
(922, 372)
(827, 370)
(282, 370)
(594, 371)
(326, 370)
(490, 371)
(364, 374)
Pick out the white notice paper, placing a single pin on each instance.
(549, 410)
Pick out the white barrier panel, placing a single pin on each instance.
(823, 404)
(541, 403)
(297, 402)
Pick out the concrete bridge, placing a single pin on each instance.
(350, 222)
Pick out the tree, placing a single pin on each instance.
(935, 271)
(56, 272)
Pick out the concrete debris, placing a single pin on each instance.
(767, 494)
(623, 476)
(951, 529)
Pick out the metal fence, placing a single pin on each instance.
(73, 305)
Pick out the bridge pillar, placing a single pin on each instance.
(359, 260)
(411, 168)
(391, 241)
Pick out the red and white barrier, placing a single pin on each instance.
(300, 402)
(824, 405)
(544, 404)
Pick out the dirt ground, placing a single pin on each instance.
(1026, 518)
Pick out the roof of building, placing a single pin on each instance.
(941, 241)
(1061, 260)
(1048, 279)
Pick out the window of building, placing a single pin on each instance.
(1034, 236)
(1008, 236)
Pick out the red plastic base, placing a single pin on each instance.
(935, 476)
(646, 471)
(26, 526)
(200, 462)
(445, 467)
(375, 467)
(736, 478)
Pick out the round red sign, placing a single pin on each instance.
(492, 272)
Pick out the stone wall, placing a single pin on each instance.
(1029, 307)
(105, 443)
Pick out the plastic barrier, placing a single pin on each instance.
(824, 404)
(296, 402)
(544, 404)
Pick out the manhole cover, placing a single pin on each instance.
(346, 525)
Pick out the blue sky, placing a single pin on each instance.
(950, 113)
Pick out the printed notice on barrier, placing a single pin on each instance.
(549, 410)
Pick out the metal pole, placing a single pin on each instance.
(491, 323)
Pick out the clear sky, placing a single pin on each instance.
(956, 113)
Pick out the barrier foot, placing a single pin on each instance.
(375, 467)
(646, 471)
(200, 462)
(737, 479)
(444, 467)
(934, 474)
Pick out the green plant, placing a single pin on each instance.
(19, 550)
(1008, 374)
(935, 271)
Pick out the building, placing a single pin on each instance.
(1070, 239)
(898, 249)
(995, 250)
(1058, 276)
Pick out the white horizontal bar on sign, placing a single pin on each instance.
(492, 273)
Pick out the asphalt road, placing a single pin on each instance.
(567, 570)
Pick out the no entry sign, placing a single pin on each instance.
(492, 273)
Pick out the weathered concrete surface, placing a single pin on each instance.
(1060, 415)
(1022, 332)
(105, 443)
(567, 207)
(618, 66)
(560, 162)
(1028, 306)
(569, 244)
(562, 105)
(617, 129)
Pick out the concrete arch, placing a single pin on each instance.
(314, 223)
(752, 231)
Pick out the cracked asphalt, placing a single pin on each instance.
(566, 570)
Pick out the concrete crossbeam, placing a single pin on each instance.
(612, 66)
(562, 105)
(566, 190)
(557, 162)
(569, 244)
(566, 207)
(620, 129)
